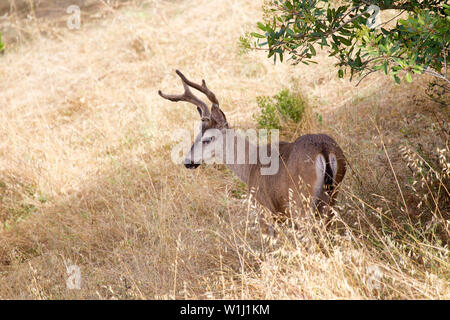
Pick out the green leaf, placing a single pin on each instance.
(2, 45)
(385, 67)
(261, 26)
(408, 77)
(345, 41)
(257, 35)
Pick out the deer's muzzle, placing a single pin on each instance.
(191, 165)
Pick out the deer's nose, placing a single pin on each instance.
(191, 165)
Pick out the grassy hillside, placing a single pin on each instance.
(86, 177)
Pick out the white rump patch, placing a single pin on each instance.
(320, 175)
(333, 164)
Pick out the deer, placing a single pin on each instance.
(312, 167)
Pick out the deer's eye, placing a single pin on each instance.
(207, 140)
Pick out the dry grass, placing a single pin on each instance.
(86, 176)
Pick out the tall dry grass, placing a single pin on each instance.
(86, 176)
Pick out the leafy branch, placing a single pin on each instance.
(416, 44)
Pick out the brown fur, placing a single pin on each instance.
(297, 172)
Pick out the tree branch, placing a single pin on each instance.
(436, 74)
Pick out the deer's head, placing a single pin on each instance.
(213, 123)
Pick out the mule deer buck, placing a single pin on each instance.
(312, 166)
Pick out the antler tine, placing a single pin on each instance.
(203, 88)
(187, 96)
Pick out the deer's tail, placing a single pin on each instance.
(326, 169)
(329, 181)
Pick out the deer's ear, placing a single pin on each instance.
(217, 115)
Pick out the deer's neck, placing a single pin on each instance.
(241, 164)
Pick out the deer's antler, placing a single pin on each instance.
(188, 96)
